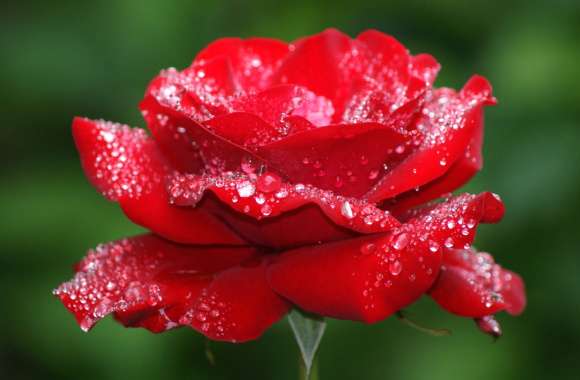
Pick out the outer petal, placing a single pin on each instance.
(125, 165)
(238, 305)
(458, 174)
(264, 213)
(471, 284)
(370, 278)
(448, 125)
(152, 283)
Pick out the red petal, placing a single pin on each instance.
(119, 161)
(448, 125)
(348, 159)
(458, 174)
(243, 129)
(425, 67)
(238, 305)
(276, 103)
(328, 53)
(247, 201)
(370, 278)
(217, 153)
(253, 60)
(471, 284)
(126, 166)
(388, 66)
(152, 283)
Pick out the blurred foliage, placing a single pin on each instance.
(64, 58)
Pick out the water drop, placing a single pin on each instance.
(395, 268)
(400, 241)
(245, 188)
(346, 210)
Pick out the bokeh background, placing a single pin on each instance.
(64, 58)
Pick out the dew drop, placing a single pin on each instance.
(395, 267)
(245, 189)
(367, 249)
(400, 241)
(346, 210)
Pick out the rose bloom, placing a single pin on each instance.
(300, 175)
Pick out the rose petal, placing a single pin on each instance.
(370, 278)
(388, 66)
(471, 284)
(331, 53)
(458, 174)
(253, 60)
(119, 161)
(347, 159)
(425, 67)
(448, 125)
(152, 283)
(244, 196)
(276, 103)
(238, 305)
(125, 165)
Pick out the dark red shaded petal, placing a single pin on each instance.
(149, 282)
(324, 63)
(253, 60)
(238, 303)
(241, 193)
(315, 226)
(182, 225)
(347, 159)
(448, 125)
(457, 175)
(125, 165)
(471, 284)
(371, 277)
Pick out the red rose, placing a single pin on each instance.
(280, 175)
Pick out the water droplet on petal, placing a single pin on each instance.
(346, 210)
(400, 241)
(395, 267)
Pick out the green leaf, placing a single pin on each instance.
(308, 330)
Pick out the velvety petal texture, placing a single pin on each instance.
(303, 174)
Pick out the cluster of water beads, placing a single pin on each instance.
(122, 160)
(209, 314)
(487, 278)
(110, 279)
(410, 253)
(267, 195)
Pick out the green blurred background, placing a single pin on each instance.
(64, 58)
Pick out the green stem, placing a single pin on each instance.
(303, 375)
